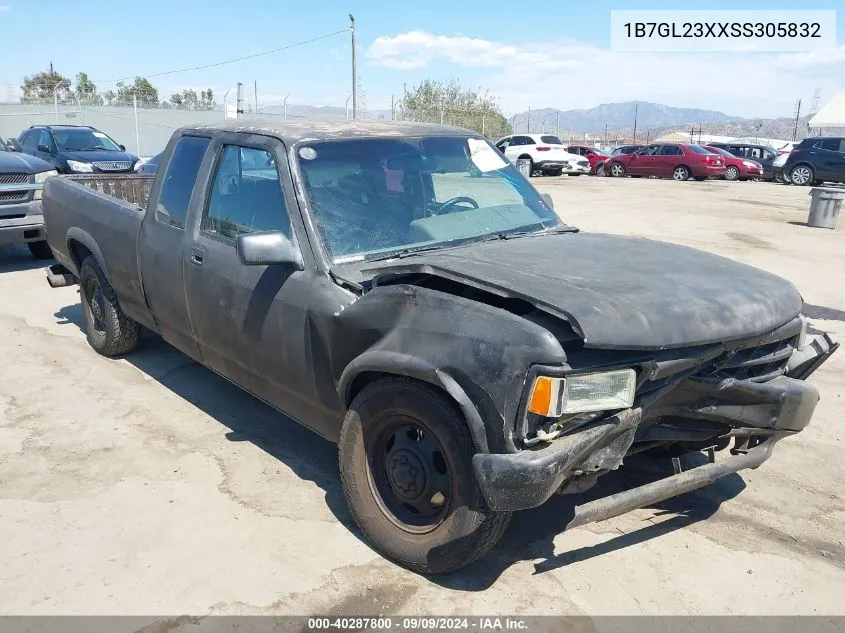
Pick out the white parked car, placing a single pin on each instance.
(547, 153)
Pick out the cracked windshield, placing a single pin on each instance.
(372, 198)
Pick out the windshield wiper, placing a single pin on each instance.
(94, 149)
(405, 252)
(517, 234)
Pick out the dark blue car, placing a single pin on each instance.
(77, 149)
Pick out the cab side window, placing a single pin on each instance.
(246, 195)
(179, 180)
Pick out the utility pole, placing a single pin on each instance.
(255, 92)
(392, 108)
(347, 105)
(557, 123)
(285, 103)
(239, 107)
(354, 70)
(636, 112)
(797, 115)
(529, 120)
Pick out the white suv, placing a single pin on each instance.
(546, 152)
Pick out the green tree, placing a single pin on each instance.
(141, 88)
(85, 91)
(189, 100)
(43, 87)
(451, 103)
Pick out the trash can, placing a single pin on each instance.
(824, 207)
(524, 166)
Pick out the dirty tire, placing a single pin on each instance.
(466, 530)
(110, 332)
(40, 250)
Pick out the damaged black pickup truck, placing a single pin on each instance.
(403, 291)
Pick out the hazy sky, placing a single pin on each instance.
(553, 54)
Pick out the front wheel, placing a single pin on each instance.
(600, 170)
(40, 250)
(732, 173)
(681, 173)
(617, 170)
(405, 455)
(110, 331)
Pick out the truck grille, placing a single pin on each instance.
(13, 196)
(13, 179)
(756, 363)
(113, 165)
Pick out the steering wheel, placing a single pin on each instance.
(451, 202)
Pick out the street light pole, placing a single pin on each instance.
(347, 105)
(354, 70)
(285, 103)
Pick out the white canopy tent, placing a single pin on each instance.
(832, 114)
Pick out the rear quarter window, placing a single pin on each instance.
(551, 140)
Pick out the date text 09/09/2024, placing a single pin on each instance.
(411, 623)
(723, 29)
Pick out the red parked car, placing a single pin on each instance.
(596, 156)
(737, 168)
(679, 161)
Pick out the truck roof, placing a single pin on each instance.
(295, 130)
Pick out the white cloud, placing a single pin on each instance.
(4, 7)
(570, 74)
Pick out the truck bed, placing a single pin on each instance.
(100, 215)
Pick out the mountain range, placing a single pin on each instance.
(654, 120)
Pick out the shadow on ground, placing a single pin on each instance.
(531, 533)
(17, 258)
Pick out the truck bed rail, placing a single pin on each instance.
(131, 188)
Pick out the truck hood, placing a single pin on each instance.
(18, 163)
(619, 292)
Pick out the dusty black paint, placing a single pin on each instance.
(478, 321)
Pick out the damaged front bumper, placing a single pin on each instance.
(766, 411)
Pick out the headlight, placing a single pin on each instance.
(580, 393)
(77, 166)
(749, 163)
(40, 178)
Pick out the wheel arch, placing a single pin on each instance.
(373, 366)
(80, 245)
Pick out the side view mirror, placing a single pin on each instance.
(547, 198)
(268, 248)
(122, 148)
(45, 149)
(12, 145)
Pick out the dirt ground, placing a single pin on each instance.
(151, 486)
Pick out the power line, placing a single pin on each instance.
(228, 61)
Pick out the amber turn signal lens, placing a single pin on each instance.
(541, 396)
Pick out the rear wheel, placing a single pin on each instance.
(110, 331)
(801, 175)
(406, 467)
(732, 173)
(617, 170)
(40, 250)
(681, 173)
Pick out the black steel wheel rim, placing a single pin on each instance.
(94, 303)
(409, 474)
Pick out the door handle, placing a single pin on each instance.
(197, 257)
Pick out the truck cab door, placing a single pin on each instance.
(164, 243)
(251, 321)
